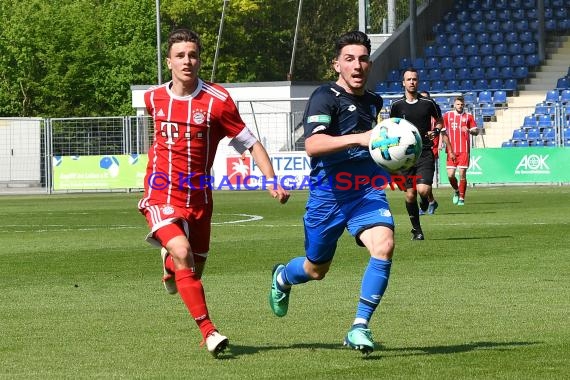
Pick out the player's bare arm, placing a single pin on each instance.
(321, 144)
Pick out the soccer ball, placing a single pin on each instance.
(395, 144)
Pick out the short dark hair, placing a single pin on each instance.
(183, 35)
(425, 92)
(412, 70)
(460, 98)
(355, 37)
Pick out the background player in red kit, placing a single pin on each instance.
(459, 126)
(191, 116)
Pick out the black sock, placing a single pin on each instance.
(424, 203)
(414, 214)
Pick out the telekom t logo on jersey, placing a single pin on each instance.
(169, 130)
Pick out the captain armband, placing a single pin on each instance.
(243, 141)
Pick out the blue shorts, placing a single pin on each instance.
(326, 219)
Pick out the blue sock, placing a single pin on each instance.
(294, 273)
(374, 283)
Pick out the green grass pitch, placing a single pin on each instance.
(486, 296)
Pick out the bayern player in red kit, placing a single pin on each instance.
(191, 116)
(458, 127)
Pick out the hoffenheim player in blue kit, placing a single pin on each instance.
(337, 123)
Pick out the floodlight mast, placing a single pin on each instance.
(158, 54)
(213, 77)
(290, 73)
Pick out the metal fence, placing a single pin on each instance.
(28, 146)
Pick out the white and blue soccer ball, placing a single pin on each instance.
(395, 144)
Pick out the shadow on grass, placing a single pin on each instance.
(234, 351)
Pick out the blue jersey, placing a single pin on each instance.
(333, 111)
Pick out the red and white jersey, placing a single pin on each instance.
(456, 126)
(187, 130)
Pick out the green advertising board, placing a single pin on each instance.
(514, 165)
(98, 172)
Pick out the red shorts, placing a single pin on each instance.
(167, 221)
(461, 161)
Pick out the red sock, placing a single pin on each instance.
(169, 264)
(453, 183)
(192, 293)
(462, 188)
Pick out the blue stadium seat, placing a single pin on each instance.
(448, 74)
(518, 15)
(526, 36)
(485, 97)
(395, 87)
(470, 97)
(522, 25)
(477, 73)
(552, 97)
(566, 133)
(492, 73)
(471, 50)
(466, 85)
(443, 51)
(381, 87)
(565, 96)
(514, 48)
(468, 38)
(507, 72)
(549, 143)
(533, 134)
(454, 39)
(503, 15)
(550, 25)
(441, 38)
(437, 86)
(434, 74)
(423, 73)
(476, 15)
(507, 144)
(430, 51)
(518, 60)
(503, 60)
(510, 84)
(541, 109)
(481, 84)
(549, 134)
(521, 72)
(486, 49)
(394, 75)
(496, 84)
(463, 73)
(474, 61)
(460, 62)
(431, 62)
(489, 60)
(493, 26)
(405, 63)
(496, 37)
(511, 37)
(483, 38)
(522, 143)
(424, 85)
(507, 26)
(563, 83)
(500, 49)
(446, 62)
(479, 26)
(519, 134)
(489, 15)
(528, 4)
(529, 48)
(563, 24)
(532, 60)
(457, 51)
(530, 122)
(544, 121)
(500, 98)
(452, 85)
